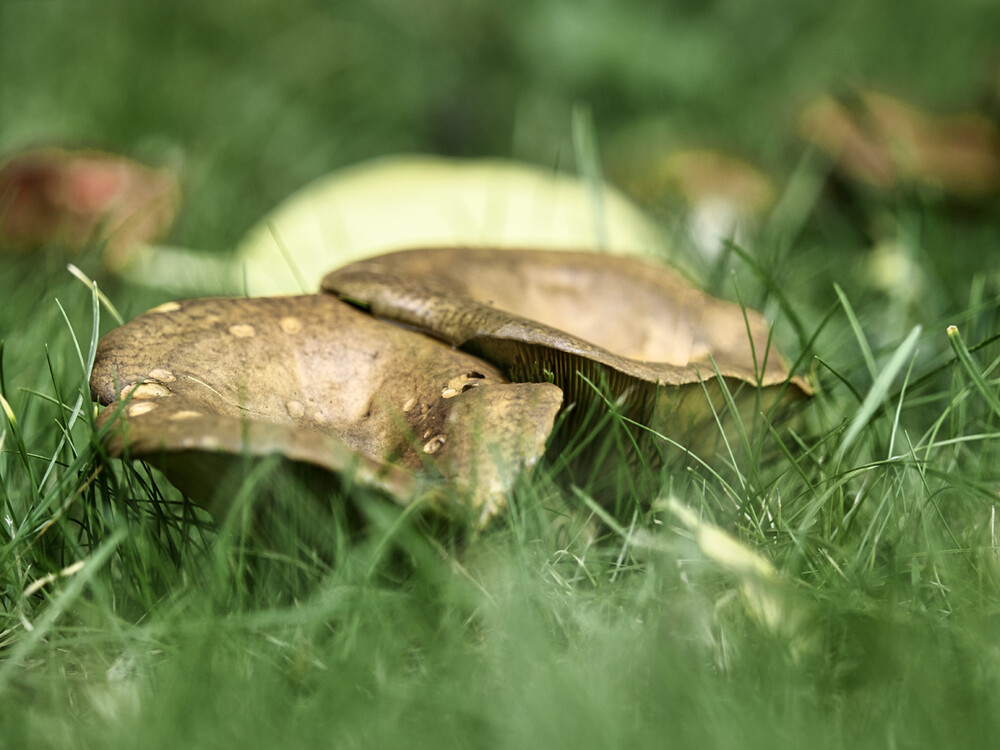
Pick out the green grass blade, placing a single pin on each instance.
(988, 392)
(588, 163)
(82, 573)
(880, 388)
(859, 333)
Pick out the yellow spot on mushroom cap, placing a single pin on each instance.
(167, 307)
(242, 330)
(435, 443)
(145, 390)
(410, 403)
(290, 325)
(462, 383)
(182, 415)
(203, 442)
(295, 409)
(164, 376)
(140, 407)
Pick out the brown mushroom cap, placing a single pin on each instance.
(701, 176)
(630, 324)
(76, 197)
(884, 142)
(320, 382)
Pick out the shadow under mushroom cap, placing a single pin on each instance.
(633, 324)
(320, 382)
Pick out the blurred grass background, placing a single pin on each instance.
(531, 635)
(253, 99)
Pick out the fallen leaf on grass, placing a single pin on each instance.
(406, 201)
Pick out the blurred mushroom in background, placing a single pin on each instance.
(724, 197)
(709, 195)
(889, 144)
(74, 199)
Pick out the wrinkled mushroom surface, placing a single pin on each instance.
(318, 381)
(629, 324)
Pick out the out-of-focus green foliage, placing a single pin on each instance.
(252, 98)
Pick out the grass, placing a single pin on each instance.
(828, 581)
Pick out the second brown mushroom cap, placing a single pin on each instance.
(585, 322)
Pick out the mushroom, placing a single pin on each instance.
(194, 384)
(885, 142)
(723, 195)
(77, 197)
(406, 201)
(582, 320)
(702, 175)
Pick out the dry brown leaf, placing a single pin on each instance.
(887, 142)
(631, 325)
(317, 381)
(77, 197)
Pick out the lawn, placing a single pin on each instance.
(832, 579)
